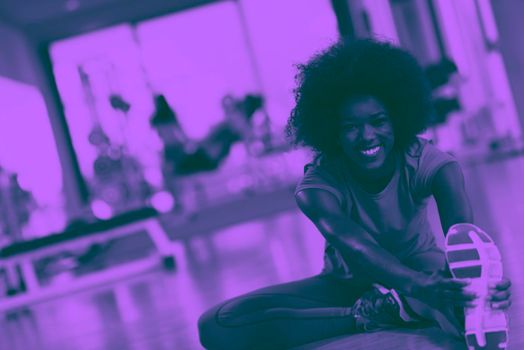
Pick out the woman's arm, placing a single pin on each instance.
(454, 207)
(358, 248)
(451, 197)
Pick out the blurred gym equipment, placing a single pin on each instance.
(17, 260)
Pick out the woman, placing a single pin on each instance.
(360, 106)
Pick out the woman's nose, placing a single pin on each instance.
(368, 133)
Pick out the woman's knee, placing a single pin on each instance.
(208, 329)
(227, 325)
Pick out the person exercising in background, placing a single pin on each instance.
(186, 157)
(360, 106)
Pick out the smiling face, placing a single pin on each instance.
(366, 135)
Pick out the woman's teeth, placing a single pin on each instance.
(371, 151)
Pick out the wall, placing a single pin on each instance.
(508, 15)
(15, 56)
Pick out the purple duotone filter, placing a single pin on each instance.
(150, 190)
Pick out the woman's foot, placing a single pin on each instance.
(380, 309)
(472, 255)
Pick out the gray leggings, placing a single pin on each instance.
(291, 314)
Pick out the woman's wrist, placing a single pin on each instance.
(415, 284)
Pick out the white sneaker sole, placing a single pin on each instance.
(472, 254)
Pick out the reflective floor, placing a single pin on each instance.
(159, 310)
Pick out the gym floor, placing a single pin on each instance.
(159, 310)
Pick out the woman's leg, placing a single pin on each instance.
(283, 316)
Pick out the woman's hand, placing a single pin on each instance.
(500, 295)
(439, 291)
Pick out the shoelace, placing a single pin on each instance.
(373, 309)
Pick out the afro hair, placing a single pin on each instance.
(356, 68)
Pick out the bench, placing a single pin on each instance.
(18, 258)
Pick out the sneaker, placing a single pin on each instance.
(380, 309)
(471, 254)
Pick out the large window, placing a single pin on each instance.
(107, 106)
(31, 197)
(283, 34)
(455, 41)
(194, 58)
(117, 148)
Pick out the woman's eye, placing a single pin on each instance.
(379, 122)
